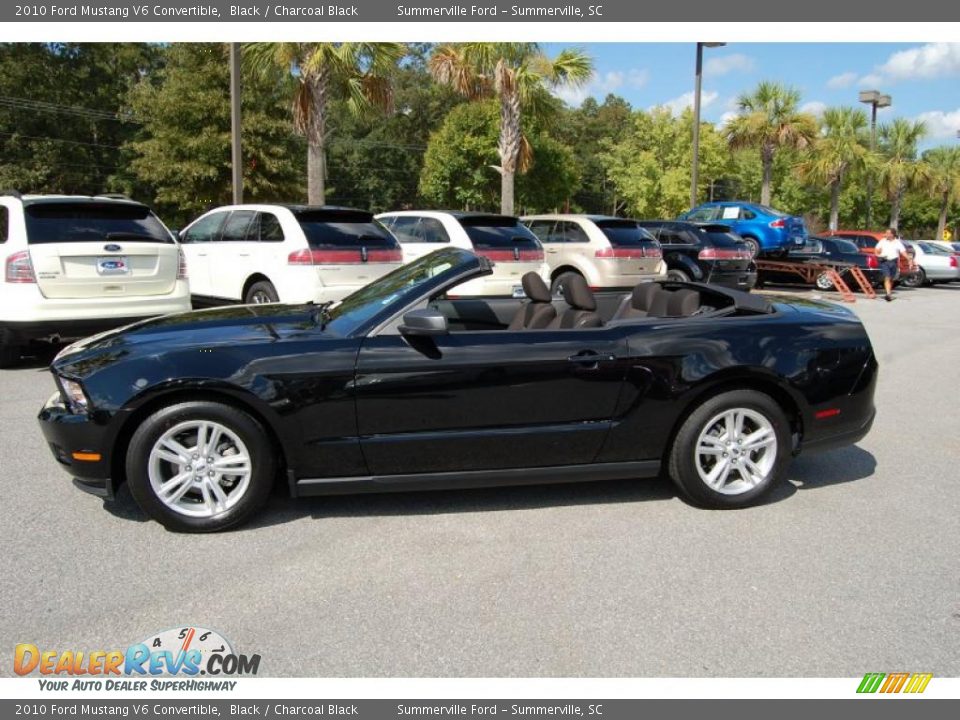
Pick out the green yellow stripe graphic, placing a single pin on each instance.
(894, 682)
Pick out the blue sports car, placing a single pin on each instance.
(764, 229)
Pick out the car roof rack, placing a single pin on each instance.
(11, 193)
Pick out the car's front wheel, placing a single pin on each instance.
(823, 282)
(731, 450)
(914, 279)
(200, 466)
(677, 275)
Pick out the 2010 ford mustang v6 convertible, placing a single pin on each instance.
(404, 385)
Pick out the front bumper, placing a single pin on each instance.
(72, 436)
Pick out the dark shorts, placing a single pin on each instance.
(889, 268)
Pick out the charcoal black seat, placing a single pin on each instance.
(539, 312)
(582, 312)
(637, 303)
(676, 303)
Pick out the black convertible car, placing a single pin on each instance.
(399, 387)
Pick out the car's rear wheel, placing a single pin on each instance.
(731, 450)
(677, 276)
(753, 245)
(556, 288)
(261, 292)
(9, 355)
(200, 466)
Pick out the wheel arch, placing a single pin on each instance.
(789, 401)
(251, 281)
(565, 268)
(169, 396)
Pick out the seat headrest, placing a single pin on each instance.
(683, 303)
(643, 295)
(535, 288)
(577, 293)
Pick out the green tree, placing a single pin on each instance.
(840, 149)
(183, 148)
(650, 167)
(358, 73)
(517, 75)
(944, 179)
(769, 119)
(899, 169)
(61, 125)
(459, 169)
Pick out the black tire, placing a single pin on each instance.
(682, 465)
(914, 280)
(677, 275)
(9, 355)
(261, 292)
(753, 245)
(556, 287)
(263, 466)
(823, 282)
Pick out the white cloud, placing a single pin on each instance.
(814, 107)
(727, 117)
(940, 124)
(678, 104)
(599, 86)
(728, 63)
(843, 80)
(925, 62)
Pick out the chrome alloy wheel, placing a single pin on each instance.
(735, 451)
(199, 468)
(260, 297)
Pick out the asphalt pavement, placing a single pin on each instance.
(853, 566)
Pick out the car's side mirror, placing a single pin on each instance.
(424, 323)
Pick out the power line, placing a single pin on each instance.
(60, 140)
(43, 106)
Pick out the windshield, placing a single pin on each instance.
(497, 232)
(392, 292)
(346, 229)
(846, 247)
(85, 222)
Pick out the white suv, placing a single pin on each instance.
(285, 253)
(608, 252)
(514, 250)
(76, 265)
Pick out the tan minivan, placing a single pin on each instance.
(608, 252)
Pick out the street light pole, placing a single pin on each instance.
(695, 169)
(875, 100)
(235, 154)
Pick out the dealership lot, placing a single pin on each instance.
(852, 567)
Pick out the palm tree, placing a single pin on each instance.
(840, 148)
(356, 72)
(944, 180)
(899, 169)
(770, 119)
(517, 74)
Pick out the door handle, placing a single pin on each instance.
(200, 254)
(590, 359)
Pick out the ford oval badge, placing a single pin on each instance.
(112, 247)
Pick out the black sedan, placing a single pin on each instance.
(402, 386)
(704, 252)
(832, 251)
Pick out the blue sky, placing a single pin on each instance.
(923, 79)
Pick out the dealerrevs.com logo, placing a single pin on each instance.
(179, 652)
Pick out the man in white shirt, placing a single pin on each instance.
(889, 250)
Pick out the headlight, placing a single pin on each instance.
(73, 392)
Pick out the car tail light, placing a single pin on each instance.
(629, 253)
(344, 257)
(19, 268)
(872, 262)
(953, 261)
(181, 265)
(712, 253)
(779, 223)
(515, 255)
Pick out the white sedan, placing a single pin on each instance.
(935, 264)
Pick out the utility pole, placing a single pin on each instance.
(235, 154)
(875, 100)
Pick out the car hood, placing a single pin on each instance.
(232, 325)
